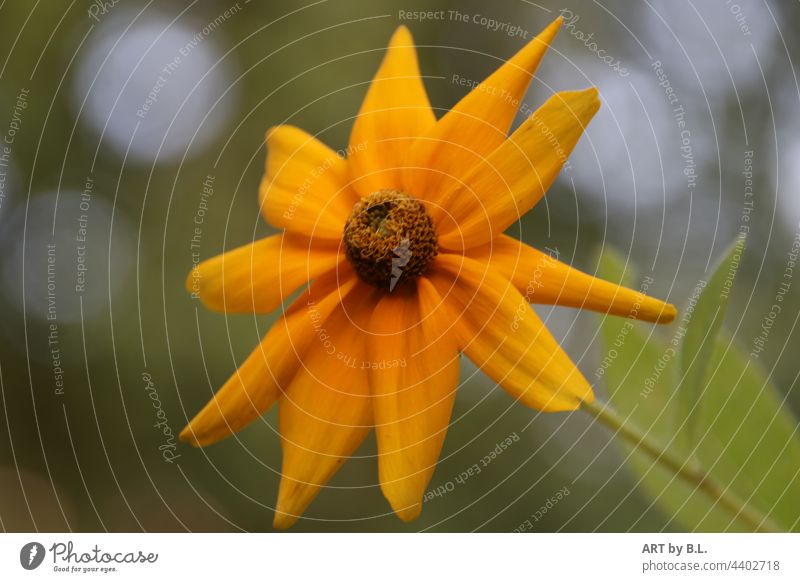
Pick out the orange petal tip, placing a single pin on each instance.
(553, 28)
(409, 514)
(188, 435)
(402, 33)
(668, 314)
(283, 521)
(190, 279)
(591, 93)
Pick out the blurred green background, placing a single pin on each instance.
(115, 114)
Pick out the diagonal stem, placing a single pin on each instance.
(687, 469)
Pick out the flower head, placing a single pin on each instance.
(401, 245)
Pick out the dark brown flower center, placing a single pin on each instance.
(390, 238)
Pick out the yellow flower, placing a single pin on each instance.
(402, 243)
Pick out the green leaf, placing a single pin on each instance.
(640, 388)
(746, 438)
(701, 322)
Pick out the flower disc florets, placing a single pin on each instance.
(390, 238)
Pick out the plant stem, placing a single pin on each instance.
(687, 469)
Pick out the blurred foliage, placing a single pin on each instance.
(704, 314)
(744, 436)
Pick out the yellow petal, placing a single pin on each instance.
(257, 383)
(395, 111)
(499, 331)
(304, 189)
(327, 410)
(413, 377)
(513, 178)
(256, 278)
(541, 278)
(476, 126)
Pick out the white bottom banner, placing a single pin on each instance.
(354, 557)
